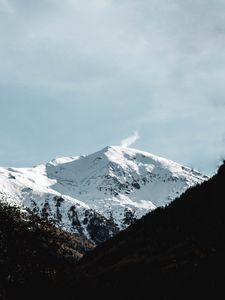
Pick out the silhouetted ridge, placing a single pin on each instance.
(221, 170)
(173, 252)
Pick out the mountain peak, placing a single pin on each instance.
(117, 184)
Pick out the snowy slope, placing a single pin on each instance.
(98, 194)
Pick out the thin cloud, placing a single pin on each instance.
(6, 7)
(165, 78)
(127, 142)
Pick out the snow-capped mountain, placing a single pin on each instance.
(99, 194)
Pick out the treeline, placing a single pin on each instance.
(33, 253)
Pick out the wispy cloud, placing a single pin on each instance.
(127, 142)
(164, 78)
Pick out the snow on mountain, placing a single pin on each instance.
(99, 194)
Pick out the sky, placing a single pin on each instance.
(76, 76)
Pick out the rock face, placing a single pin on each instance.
(100, 194)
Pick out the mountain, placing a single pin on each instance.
(175, 252)
(100, 194)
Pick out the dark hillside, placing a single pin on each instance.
(174, 252)
(32, 253)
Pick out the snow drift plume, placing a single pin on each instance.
(127, 142)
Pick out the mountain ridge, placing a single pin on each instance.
(97, 195)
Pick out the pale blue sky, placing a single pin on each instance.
(76, 76)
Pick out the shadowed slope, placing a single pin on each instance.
(173, 252)
(33, 252)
